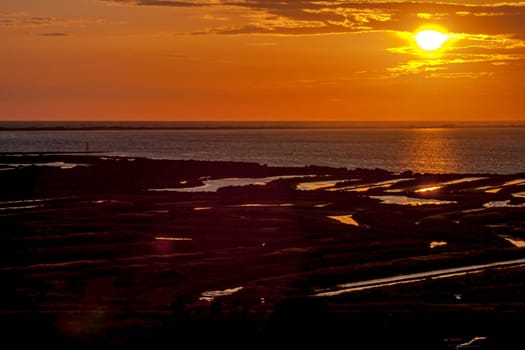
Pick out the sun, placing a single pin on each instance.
(430, 39)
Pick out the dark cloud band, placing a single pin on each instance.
(316, 17)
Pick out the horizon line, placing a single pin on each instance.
(72, 125)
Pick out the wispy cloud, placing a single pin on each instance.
(468, 50)
(26, 20)
(174, 3)
(54, 34)
(492, 33)
(482, 36)
(301, 16)
(23, 19)
(426, 66)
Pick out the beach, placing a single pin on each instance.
(113, 251)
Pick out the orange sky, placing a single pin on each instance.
(259, 60)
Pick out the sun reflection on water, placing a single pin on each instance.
(432, 149)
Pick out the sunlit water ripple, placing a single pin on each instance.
(459, 150)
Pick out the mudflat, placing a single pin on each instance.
(115, 252)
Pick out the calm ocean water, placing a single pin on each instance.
(421, 149)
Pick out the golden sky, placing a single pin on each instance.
(260, 60)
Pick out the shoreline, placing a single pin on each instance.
(93, 242)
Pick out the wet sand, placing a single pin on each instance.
(121, 252)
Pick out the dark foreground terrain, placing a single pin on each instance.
(119, 253)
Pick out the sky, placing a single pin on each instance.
(260, 60)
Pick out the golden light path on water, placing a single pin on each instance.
(433, 149)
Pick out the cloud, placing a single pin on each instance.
(484, 36)
(441, 66)
(23, 19)
(172, 3)
(54, 34)
(300, 16)
(469, 50)
(26, 20)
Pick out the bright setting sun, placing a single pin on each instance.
(430, 40)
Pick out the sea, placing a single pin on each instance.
(420, 147)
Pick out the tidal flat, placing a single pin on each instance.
(113, 252)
